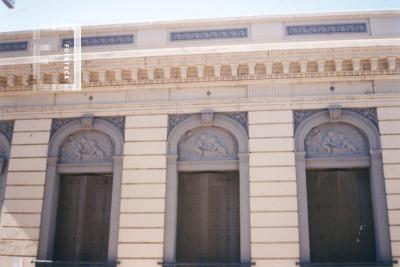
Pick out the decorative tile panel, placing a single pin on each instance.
(101, 40)
(326, 28)
(209, 34)
(13, 46)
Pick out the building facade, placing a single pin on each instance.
(266, 141)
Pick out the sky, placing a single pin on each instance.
(30, 14)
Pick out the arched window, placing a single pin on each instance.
(341, 189)
(82, 194)
(207, 202)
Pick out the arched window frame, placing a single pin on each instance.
(174, 166)
(373, 162)
(55, 169)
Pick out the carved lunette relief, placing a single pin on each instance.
(207, 143)
(338, 139)
(86, 146)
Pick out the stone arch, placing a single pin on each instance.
(224, 122)
(77, 125)
(348, 117)
(372, 159)
(208, 122)
(86, 126)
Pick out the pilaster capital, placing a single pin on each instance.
(118, 160)
(172, 158)
(376, 154)
(300, 155)
(243, 155)
(52, 161)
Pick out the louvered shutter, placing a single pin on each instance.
(97, 218)
(208, 217)
(340, 216)
(83, 219)
(66, 236)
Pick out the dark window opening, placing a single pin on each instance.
(83, 218)
(208, 218)
(340, 216)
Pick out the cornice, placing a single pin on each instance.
(299, 48)
(293, 65)
(192, 106)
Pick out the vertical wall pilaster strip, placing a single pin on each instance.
(389, 126)
(273, 194)
(21, 213)
(143, 191)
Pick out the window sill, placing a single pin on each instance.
(50, 263)
(205, 264)
(345, 264)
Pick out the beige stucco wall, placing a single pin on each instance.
(273, 196)
(273, 201)
(21, 212)
(143, 191)
(389, 124)
(146, 103)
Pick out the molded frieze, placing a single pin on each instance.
(207, 143)
(86, 146)
(335, 139)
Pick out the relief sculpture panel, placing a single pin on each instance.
(86, 146)
(336, 139)
(207, 143)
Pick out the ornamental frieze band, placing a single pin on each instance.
(327, 28)
(101, 40)
(13, 46)
(209, 34)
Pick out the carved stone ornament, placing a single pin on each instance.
(87, 122)
(58, 123)
(339, 139)
(368, 113)
(207, 118)
(211, 143)
(86, 146)
(334, 113)
(175, 119)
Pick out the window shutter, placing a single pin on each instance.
(83, 219)
(97, 218)
(66, 236)
(340, 199)
(208, 217)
